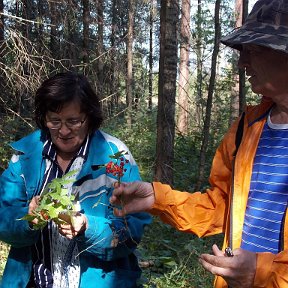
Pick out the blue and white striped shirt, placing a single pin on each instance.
(268, 194)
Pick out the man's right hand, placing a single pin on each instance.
(132, 197)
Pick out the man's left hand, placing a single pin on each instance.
(238, 271)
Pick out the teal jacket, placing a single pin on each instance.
(102, 264)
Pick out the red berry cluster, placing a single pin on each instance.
(115, 169)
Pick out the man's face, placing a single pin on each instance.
(266, 68)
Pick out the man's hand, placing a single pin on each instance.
(238, 271)
(75, 225)
(132, 197)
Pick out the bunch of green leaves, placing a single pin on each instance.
(54, 202)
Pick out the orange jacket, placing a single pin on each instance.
(222, 207)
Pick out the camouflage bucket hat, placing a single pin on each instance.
(266, 25)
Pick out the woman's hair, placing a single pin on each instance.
(64, 88)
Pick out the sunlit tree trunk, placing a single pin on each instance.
(167, 91)
(129, 79)
(184, 67)
(207, 120)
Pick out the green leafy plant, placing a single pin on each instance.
(54, 204)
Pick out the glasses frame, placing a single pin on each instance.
(76, 126)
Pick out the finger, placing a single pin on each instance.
(119, 212)
(219, 261)
(217, 251)
(215, 270)
(115, 200)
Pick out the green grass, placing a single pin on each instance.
(173, 258)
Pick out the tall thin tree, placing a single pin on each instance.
(184, 67)
(100, 46)
(199, 60)
(167, 91)
(150, 80)
(129, 79)
(207, 120)
(86, 24)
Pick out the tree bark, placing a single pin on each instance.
(100, 47)
(199, 60)
(238, 91)
(54, 43)
(207, 120)
(184, 68)
(167, 91)
(129, 79)
(150, 80)
(86, 23)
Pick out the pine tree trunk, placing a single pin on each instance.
(129, 80)
(184, 68)
(150, 80)
(167, 91)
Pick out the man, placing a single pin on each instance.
(247, 200)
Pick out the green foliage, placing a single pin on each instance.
(54, 201)
(173, 258)
(140, 139)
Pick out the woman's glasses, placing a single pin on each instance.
(70, 123)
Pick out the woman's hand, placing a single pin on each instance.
(32, 206)
(76, 225)
(238, 271)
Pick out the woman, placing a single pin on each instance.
(97, 250)
(247, 200)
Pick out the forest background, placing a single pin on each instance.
(168, 89)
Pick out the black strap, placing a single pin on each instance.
(239, 133)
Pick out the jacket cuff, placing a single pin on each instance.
(263, 268)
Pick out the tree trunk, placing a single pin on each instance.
(54, 44)
(237, 100)
(100, 47)
(129, 79)
(71, 52)
(86, 23)
(184, 68)
(199, 60)
(167, 91)
(150, 80)
(207, 120)
(113, 100)
(242, 89)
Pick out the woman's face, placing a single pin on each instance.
(68, 128)
(266, 68)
